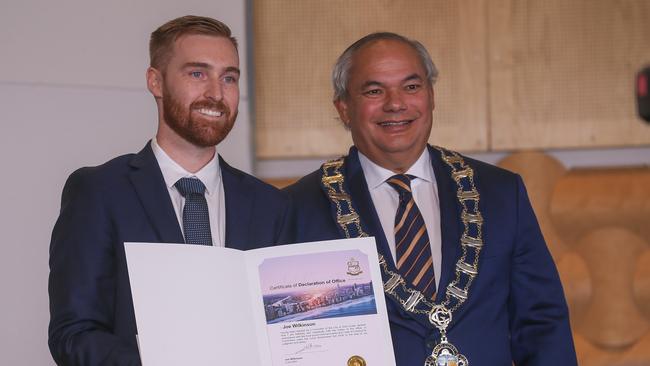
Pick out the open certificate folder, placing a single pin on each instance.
(313, 304)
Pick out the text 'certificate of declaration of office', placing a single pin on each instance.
(317, 306)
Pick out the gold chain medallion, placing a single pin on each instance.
(471, 242)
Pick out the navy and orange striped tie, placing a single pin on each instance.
(412, 247)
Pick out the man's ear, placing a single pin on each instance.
(342, 108)
(154, 82)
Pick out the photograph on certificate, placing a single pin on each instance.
(316, 286)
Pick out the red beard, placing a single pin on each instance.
(199, 132)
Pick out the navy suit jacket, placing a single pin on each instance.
(125, 200)
(516, 311)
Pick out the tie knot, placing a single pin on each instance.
(401, 183)
(190, 185)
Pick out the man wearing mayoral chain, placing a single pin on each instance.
(466, 271)
(175, 190)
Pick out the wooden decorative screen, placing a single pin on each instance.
(562, 72)
(297, 43)
(514, 74)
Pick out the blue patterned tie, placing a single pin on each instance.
(412, 247)
(196, 221)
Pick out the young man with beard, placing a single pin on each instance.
(177, 189)
(467, 275)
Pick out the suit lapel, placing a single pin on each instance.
(449, 222)
(149, 185)
(358, 188)
(239, 207)
(451, 227)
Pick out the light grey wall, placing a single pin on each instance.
(72, 94)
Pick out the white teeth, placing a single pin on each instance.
(394, 123)
(210, 112)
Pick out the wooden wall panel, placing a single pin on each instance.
(562, 72)
(297, 43)
(595, 222)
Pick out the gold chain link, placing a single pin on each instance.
(333, 180)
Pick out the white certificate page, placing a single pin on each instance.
(322, 303)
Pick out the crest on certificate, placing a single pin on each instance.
(354, 269)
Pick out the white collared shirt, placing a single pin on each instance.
(425, 194)
(210, 176)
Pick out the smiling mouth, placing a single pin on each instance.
(395, 123)
(209, 112)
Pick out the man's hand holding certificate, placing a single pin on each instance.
(305, 304)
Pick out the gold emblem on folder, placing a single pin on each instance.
(356, 361)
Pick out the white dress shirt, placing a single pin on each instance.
(425, 194)
(210, 176)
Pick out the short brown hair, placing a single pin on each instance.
(163, 38)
